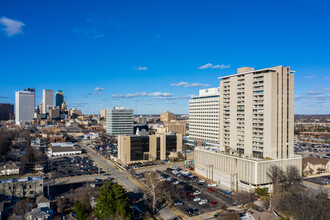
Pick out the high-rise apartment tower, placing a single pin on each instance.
(256, 112)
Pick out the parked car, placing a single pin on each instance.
(197, 192)
(211, 185)
(191, 211)
(227, 192)
(213, 203)
(178, 203)
(211, 189)
(201, 181)
(196, 199)
(202, 202)
(192, 196)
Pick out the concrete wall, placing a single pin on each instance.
(235, 172)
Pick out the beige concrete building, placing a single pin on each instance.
(256, 112)
(176, 127)
(238, 173)
(133, 149)
(166, 116)
(204, 118)
(103, 113)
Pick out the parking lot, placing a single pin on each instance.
(321, 180)
(195, 196)
(71, 166)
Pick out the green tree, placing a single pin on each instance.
(81, 212)
(112, 202)
(261, 192)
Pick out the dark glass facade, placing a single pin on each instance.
(158, 148)
(170, 144)
(59, 98)
(6, 112)
(139, 145)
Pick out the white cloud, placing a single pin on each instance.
(118, 96)
(140, 68)
(210, 65)
(143, 94)
(164, 94)
(186, 84)
(197, 85)
(98, 93)
(138, 94)
(309, 77)
(222, 66)
(179, 84)
(175, 97)
(99, 89)
(313, 92)
(11, 27)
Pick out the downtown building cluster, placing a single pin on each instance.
(244, 127)
(26, 111)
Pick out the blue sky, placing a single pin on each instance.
(131, 53)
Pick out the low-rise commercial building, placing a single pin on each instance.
(132, 149)
(63, 149)
(236, 172)
(313, 165)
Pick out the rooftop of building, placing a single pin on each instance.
(21, 179)
(314, 161)
(246, 70)
(207, 93)
(217, 150)
(58, 149)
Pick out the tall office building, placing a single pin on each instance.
(24, 106)
(6, 111)
(59, 98)
(204, 118)
(47, 100)
(119, 121)
(34, 91)
(256, 112)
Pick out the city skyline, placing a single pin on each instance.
(160, 55)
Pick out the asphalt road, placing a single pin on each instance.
(122, 177)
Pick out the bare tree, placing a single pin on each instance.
(245, 197)
(153, 187)
(292, 178)
(60, 204)
(276, 176)
(228, 216)
(22, 207)
(303, 204)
